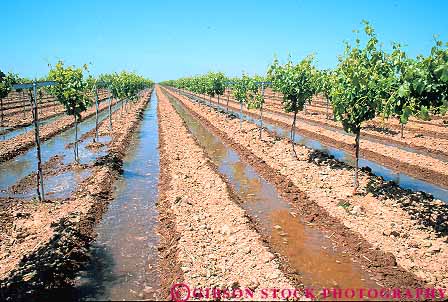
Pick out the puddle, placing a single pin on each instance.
(56, 187)
(124, 257)
(403, 180)
(15, 169)
(309, 252)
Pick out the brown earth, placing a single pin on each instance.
(24, 122)
(217, 246)
(433, 170)
(376, 216)
(318, 104)
(17, 119)
(431, 139)
(53, 166)
(43, 245)
(19, 144)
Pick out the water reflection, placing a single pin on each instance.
(308, 250)
(403, 180)
(15, 169)
(124, 256)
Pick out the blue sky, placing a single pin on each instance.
(169, 39)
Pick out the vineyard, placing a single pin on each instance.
(298, 184)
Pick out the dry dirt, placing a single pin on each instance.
(18, 119)
(433, 170)
(389, 223)
(422, 136)
(318, 104)
(44, 244)
(216, 245)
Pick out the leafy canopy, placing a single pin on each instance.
(361, 82)
(71, 89)
(6, 82)
(295, 81)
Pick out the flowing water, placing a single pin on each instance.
(309, 252)
(403, 180)
(124, 256)
(11, 132)
(15, 169)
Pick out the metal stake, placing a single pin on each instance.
(39, 158)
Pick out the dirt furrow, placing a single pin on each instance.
(20, 143)
(217, 247)
(383, 219)
(434, 171)
(45, 244)
(318, 104)
(415, 137)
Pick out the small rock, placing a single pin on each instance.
(390, 233)
(357, 210)
(274, 275)
(225, 230)
(277, 227)
(28, 276)
(395, 233)
(23, 234)
(434, 250)
(310, 218)
(414, 243)
(253, 284)
(427, 244)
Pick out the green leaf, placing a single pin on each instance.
(424, 113)
(407, 112)
(403, 90)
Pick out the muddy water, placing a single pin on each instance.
(124, 257)
(403, 180)
(13, 170)
(309, 252)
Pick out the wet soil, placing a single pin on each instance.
(124, 256)
(433, 143)
(307, 256)
(53, 166)
(19, 120)
(170, 272)
(431, 128)
(218, 247)
(342, 207)
(19, 144)
(409, 163)
(51, 241)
